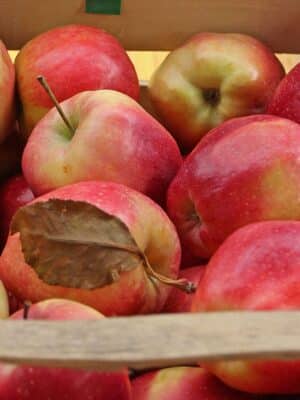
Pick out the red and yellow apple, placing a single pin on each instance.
(211, 78)
(182, 383)
(73, 58)
(285, 101)
(256, 268)
(21, 382)
(7, 93)
(98, 243)
(178, 300)
(245, 170)
(115, 139)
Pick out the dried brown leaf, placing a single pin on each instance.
(75, 244)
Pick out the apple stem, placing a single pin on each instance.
(183, 284)
(44, 84)
(26, 307)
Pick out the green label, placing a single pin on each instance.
(112, 7)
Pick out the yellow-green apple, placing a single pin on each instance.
(100, 243)
(246, 170)
(4, 304)
(73, 58)
(211, 78)
(178, 300)
(114, 139)
(256, 268)
(285, 101)
(7, 93)
(21, 382)
(183, 383)
(14, 193)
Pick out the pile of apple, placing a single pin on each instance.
(114, 211)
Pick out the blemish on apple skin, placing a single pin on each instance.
(67, 169)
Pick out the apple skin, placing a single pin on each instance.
(14, 304)
(72, 58)
(246, 170)
(10, 155)
(256, 268)
(14, 193)
(285, 101)
(18, 382)
(182, 383)
(211, 78)
(7, 93)
(115, 140)
(134, 292)
(179, 301)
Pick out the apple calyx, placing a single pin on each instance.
(42, 80)
(211, 96)
(26, 308)
(75, 244)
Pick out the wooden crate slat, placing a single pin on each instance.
(152, 341)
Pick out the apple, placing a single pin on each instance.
(246, 170)
(114, 139)
(73, 58)
(178, 300)
(285, 101)
(21, 382)
(182, 383)
(211, 78)
(10, 155)
(4, 303)
(256, 268)
(99, 243)
(14, 193)
(7, 93)
(14, 304)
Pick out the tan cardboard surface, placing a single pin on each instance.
(158, 24)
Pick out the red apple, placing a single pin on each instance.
(14, 193)
(19, 382)
(179, 301)
(285, 102)
(14, 304)
(10, 155)
(245, 170)
(7, 93)
(115, 139)
(99, 243)
(211, 78)
(256, 268)
(73, 59)
(182, 383)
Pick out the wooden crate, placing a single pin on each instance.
(160, 340)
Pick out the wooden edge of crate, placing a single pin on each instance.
(142, 342)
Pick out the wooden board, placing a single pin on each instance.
(146, 62)
(152, 341)
(158, 24)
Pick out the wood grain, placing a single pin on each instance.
(152, 341)
(158, 24)
(146, 62)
